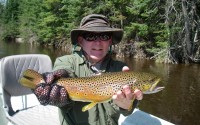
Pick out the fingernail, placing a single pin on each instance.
(125, 87)
(125, 68)
(119, 92)
(114, 96)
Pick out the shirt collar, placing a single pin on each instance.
(103, 65)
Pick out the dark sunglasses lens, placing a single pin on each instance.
(105, 36)
(89, 36)
(93, 36)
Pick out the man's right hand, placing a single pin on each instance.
(51, 93)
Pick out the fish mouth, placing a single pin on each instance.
(31, 77)
(153, 88)
(28, 77)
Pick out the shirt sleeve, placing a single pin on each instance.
(124, 111)
(65, 62)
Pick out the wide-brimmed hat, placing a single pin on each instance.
(96, 23)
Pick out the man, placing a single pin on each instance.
(93, 40)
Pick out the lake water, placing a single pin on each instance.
(178, 103)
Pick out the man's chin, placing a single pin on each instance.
(96, 59)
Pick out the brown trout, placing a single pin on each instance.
(98, 88)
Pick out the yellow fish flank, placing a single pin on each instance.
(98, 88)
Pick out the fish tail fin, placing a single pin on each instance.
(31, 79)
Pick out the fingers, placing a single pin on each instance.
(127, 92)
(60, 73)
(48, 77)
(58, 96)
(53, 95)
(125, 69)
(58, 93)
(120, 95)
(63, 95)
(124, 98)
(138, 94)
(124, 94)
(42, 93)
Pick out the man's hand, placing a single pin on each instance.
(50, 93)
(124, 99)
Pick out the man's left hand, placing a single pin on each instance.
(124, 99)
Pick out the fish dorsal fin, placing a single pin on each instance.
(89, 106)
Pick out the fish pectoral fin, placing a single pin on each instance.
(89, 106)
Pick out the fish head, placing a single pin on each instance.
(150, 86)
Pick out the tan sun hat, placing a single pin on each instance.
(96, 23)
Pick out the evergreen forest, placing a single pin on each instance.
(165, 30)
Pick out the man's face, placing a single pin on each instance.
(96, 45)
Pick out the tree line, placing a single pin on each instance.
(165, 30)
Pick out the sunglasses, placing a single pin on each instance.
(94, 36)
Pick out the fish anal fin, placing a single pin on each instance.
(89, 106)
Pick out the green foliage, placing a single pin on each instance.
(56, 20)
(11, 31)
(1, 19)
(135, 28)
(52, 20)
(28, 18)
(10, 19)
(1, 12)
(154, 25)
(11, 11)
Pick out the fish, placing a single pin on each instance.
(97, 88)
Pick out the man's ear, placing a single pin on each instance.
(111, 41)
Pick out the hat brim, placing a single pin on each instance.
(117, 34)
